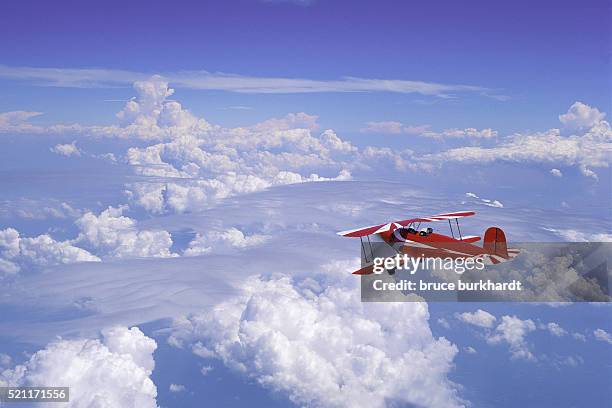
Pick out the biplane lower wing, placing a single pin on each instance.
(366, 270)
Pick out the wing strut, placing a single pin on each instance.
(365, 254)
(457, 221)
(451, 227)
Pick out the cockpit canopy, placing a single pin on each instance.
(405, 232)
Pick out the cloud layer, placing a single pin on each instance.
(87, 78)
(213, 162)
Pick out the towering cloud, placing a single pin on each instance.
(112, 233)
(581, 116)
(17, 251)
(325, 347)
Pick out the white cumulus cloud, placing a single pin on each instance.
(585, 149)
(581, 116)
(231, 237)
(478, 318)
(556, 172)
(17, 252)
(176, 387)
(114, 234)
(555, 329)
(68, 149)
(201, 164)
(602, 335)
(513, 331)
(112, 372)
(326, 348)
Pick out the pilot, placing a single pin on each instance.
(425, 231)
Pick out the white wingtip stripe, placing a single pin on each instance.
(342, 233)
(384, 228)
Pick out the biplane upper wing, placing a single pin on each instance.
(374, 229)
(446, 216)
(377, 229)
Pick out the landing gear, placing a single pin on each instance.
(391, 271)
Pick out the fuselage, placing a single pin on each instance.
(432, 245)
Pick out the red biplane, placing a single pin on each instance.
(406, 237)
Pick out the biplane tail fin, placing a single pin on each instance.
(495, 242)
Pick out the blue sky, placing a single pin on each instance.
(172, 177)
(543, 56)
